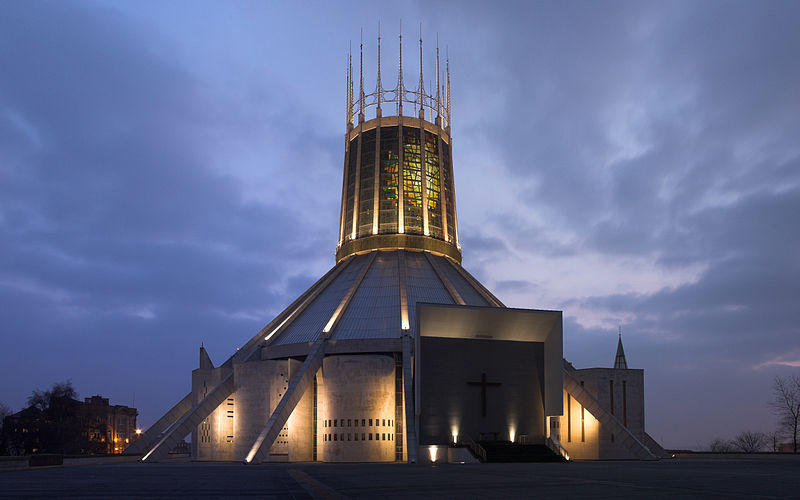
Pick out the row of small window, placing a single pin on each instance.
(364, 437)
(354, 422)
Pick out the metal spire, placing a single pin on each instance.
(350, 89)
(619, 361)
(379, 90)
(421, 81)
(447, 68)
(438, 97)
(349, 104)
(361, 78)
(400, 75)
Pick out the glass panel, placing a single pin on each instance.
(433, 185)
(366, 183)
(389, 168)
(412, 181)
(447, 184)
(351, 187)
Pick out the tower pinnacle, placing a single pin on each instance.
(397, 187)
(619, 361)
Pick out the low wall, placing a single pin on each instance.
(25, 462)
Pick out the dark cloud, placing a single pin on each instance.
(120, 234)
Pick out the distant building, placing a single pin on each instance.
(112, 425)
(89, 427)
(398, 353)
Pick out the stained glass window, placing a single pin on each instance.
(433, 185)
(447, 184)
(390, 172)
(367, 183)
(412, 181)
(351, 188)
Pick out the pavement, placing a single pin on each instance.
(679, 478)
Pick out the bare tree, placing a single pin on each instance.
(4, 412)
(774, 440)
(786, 405)
(750, 441)
(719, 445)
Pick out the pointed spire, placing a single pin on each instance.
(447, 68)
(438, 96)
(379, 90)
(400, 74)
(205, 360)
(361, 79)
(619, 361)
(421, 81)
(350, 89)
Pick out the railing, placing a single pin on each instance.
(477, 450)
(557, 449)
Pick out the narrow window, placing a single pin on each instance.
(384, 422)
(383, 436)
(625, 403)
(335, 422)
(583, 424)
(370, 422)
(569, 418)
(355, 436)
(611, 395)
(363, 436)
(349, 422)
(335, 437)
(362, 423)
(349, 436)
(370, 436)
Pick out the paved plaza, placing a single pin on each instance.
(755, 478)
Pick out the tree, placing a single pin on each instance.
(54, 416)
(719, 445)
(774, 440)
(750, 441)
(4, 412)
(786, 405)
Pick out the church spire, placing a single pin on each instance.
(619, 361)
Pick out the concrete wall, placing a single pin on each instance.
(213, 438)
(300, 426)
(579, 430)
(628, 407)
(451, 403)
(259, 386)
(356, 409)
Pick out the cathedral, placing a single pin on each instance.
(398, 353)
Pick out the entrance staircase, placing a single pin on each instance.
(506, 451)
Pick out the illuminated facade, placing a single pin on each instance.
(397, 353)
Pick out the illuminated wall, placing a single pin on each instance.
(356, 417)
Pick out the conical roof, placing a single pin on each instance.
(374, 296)
(619, 361)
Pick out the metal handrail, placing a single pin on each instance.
(557, 448)
(477, 450)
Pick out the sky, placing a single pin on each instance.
(170, 176)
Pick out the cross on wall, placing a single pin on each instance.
(483, 384)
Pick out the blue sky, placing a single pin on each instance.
(170, 174)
